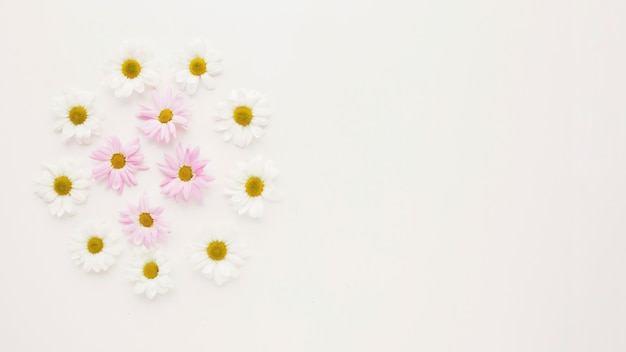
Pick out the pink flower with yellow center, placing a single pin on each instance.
(161, 120)
(118, 163)
(185, 174)
(144, 223)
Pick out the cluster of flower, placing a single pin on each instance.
(241, 118)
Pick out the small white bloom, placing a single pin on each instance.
(63, 186)
(242, 116)
(250, 184)
(94, 247)
(132, 70)
(199, 62)
(150, 270)
(76, 116)
(218, 256)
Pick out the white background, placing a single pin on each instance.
(452, 171)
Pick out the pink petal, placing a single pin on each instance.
(179, 153)
(186, 191)
(101, 170)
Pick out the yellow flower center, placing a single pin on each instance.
(165, 116)
(150, 270)
(131, 68)
(118, 160)
(242, 115)
(254, 186)
(95, 245)
(217, 250)
(185, 174)
(197, 66)
(77, 115)
(146, 220)
(62, 185)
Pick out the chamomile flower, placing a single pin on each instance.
(184, 174)
(131, 70)
(242, 116)
(250, 184)
(63, 186)
(199, 62)
(218, 255)
(150, 269)
(76, 117)
(118, 163)
(160, 121)
(94, 247)
(144, 224)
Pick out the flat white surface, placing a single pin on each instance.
(453, 177)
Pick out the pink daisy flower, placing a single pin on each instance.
(185, 174)
(143, 223)
(118, 163)
(160, 121)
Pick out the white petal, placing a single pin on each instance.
(208, 81)
(78, 196)
(256, 209)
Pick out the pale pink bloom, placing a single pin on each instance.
(185, 174)
(144, 224)
(118, 163)
(160, 121)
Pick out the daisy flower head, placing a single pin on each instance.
(131, 70)
(143, 223)
(218, 256)
(118, 163)
(149, 270)
(199, 62)
(76, 117)
(242, 116)
(160, 121)
(94, 247)
(63, 186)
(184, 174)
(250, 184)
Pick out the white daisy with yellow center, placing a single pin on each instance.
(150, 269)
(76, 116)
(94, 247)
(131, 71)
(198, 63)
(251, 183)
(242, 116)
(218, 256)
(63, 186)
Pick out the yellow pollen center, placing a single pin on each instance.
(77, 115)
(118, 160)
(185, 174)
(131, 68)
(242, 115)
(217, 250)
(146, 220)
(165, 116)
(150, 270)
(197, 66)
(95, 245)
(254, 186)
(62, 185)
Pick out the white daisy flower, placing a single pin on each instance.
(63, 186)
(218, 256)
(242, 116)
(132, 70)
(150, 271)
(94, 247)
(199, 62)
(76, 116)
(250, 184)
